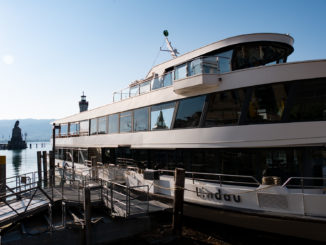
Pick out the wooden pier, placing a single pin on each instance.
(34, 193)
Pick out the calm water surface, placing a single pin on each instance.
(24, 161)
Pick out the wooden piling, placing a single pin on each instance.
(51, 168)
(178, 201)
(39, 168)
(2, 176)
(87, 215)
(45, 167)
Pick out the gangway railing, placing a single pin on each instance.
(121, 199)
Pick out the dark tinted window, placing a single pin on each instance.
(224, 108)
(267, 103)
(141, 119)
(189, 112)
(113, 123)
(309, 101)
(125, 121)
(161, 116)
(251, 55)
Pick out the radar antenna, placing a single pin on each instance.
(172, 51)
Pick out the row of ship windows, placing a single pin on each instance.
(222, 62)
(282, 102)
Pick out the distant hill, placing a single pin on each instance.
(36, 129)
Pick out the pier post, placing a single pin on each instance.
(94, 168)
(2, 176)
(51, 168)
(87, 215)
(39, 168)
(64, 214)
(50, 217)
(45, 167)
(178, 200)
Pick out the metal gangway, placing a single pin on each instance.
(27, 194)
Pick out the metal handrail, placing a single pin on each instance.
(302, 185)
(220, 176)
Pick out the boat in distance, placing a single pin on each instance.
(246, 125)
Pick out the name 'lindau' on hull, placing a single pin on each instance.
(248, 127)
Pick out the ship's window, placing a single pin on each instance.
(194, 67)
(145, 87)
(189, 112)
(210, 65)
(224, 61)
(224, 108)
(141, 119)
(267, 103)
(113, 123)
(180, 72)
(125, 121)
(134, 91)
(116, 96)
(102, 125)
(309, 101)
(252, 55)
(161, 116)
(84, 127)
(93, 127)
(125, 93)
(167, 79)
(64, 129)
(157, 83)
(74, 128)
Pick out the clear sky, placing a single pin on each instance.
(51, 51)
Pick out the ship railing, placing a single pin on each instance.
(74, 134)
(144, 86)
(306, 183)
(224, 179)
(221, 179)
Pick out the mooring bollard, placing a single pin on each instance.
(178, 201)
(87, 215)
(2, 176)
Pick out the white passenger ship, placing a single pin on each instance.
(232, 113)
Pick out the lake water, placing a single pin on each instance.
(24, 161)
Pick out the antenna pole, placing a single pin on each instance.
(172, 51)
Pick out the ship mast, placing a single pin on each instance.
(172, 51)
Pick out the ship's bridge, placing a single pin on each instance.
(200, 69)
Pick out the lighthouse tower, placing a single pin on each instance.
(83, 104)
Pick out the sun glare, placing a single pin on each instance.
(8, 59)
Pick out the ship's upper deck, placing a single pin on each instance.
(244, 51)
